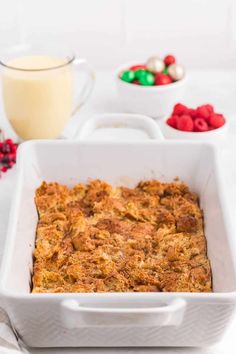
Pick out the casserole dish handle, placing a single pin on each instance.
(75, 315)
(118, 121)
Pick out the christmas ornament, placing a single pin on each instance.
(147, 79)
(128, 76)
(136, 67)
(169, 59)
(155, 65)
(162, 79)
(139, 73)
(155, 72)
(176, 71)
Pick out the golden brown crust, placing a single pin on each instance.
(95, 238)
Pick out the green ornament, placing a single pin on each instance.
(147, 80)
(165, 71)
(140, 73)
(128, 76)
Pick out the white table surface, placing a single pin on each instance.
(218, 88)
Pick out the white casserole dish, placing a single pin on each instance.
(118, 319)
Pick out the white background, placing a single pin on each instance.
(202, 33)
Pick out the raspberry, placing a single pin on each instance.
(216, 120)
(209, 107)
(180, 109)
(192, 112)
(200, 125)
(185, 123)
(169, 59)
(202, 112)
(172, 121)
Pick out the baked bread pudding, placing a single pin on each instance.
(98, 238)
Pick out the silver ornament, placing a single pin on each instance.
(155, 65)
(176, 71)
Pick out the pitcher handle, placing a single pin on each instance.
(82, 64)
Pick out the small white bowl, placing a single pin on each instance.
(213, 136)
(154, 101)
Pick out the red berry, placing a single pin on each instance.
(5, 159)
(1, 156)
(10, 164)
(14, 148)
(137, 67)
(180, 109)
(171, 122)
(136, 82)
(12, 156)
(185, 123)
(169, 59)
(9, 141)
(202, 112)
(200, 125)
(192, 112)
(209, 107)
(3, 169)
(6, 148)
(162, 79)
(216, 120)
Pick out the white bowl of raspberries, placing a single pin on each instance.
(201, 123)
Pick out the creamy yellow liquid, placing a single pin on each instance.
(38, 103)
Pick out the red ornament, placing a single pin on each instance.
(185, 123)
(200, 125)
(162, 79)
(137, 67)
(169, 59)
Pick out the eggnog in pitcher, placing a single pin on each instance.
(37, 94)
